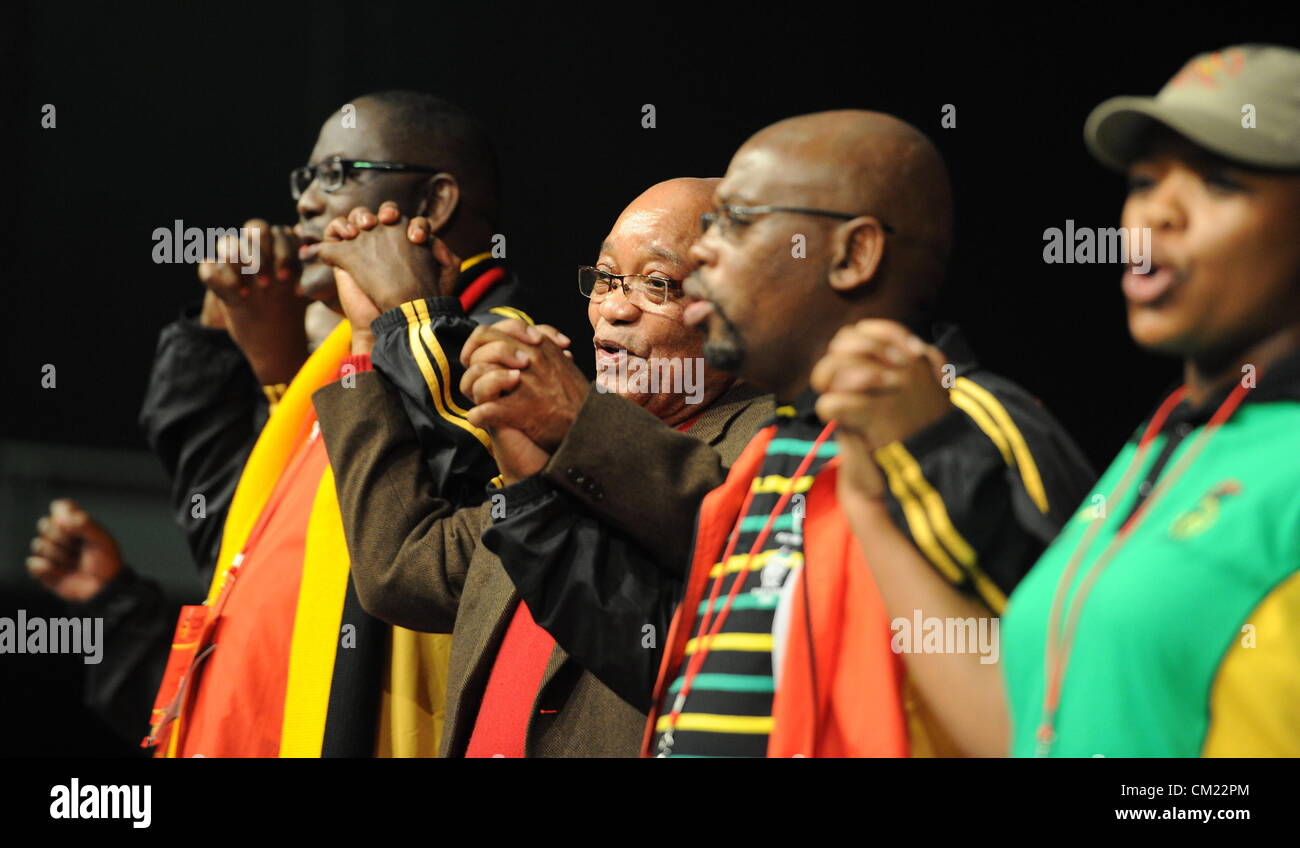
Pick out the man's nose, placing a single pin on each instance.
(311, 202)
(618, 308)
(702, 251)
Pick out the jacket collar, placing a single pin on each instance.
(947, 337)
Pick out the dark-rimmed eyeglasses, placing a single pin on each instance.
(334, 172)
(650, 289)
(729, 217)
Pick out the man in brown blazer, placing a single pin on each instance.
(418, 562)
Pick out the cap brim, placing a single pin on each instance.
(1117, 129)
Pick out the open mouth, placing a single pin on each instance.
(1147, 288)
(609, 350)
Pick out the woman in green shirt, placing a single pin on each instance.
(1165, 618)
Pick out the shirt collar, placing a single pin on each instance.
(1280, 382)
(474, 260)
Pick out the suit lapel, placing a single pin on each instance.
(481, 624)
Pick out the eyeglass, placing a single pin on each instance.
(333, 172)
(653, 290)
(730, 217)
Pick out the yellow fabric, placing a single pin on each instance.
(776, 484)
(435, 347)
(926, 737)
(1024, 458)
(274, 393)
(473, 260)
(715, 723)
(511, 312)
(415, 692)
(981, 418)
(734, 642)
(1255, 702)
(754, 562)
(416, 323)
(316, 626)
(275, 446)
(906, 465)
(914, 513)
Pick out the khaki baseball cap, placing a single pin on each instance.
(1207, 103)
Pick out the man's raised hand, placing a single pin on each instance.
(881, 384)
(392, 260)
(522, 377)
(262, 309)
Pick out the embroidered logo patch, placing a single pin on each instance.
(1207, 70)
(1201, 517)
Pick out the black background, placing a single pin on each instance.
(199, 111)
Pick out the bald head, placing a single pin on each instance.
(666, 216)
(652, 238)
(823, 220)
(874, 164)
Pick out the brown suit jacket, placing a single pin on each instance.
(417, 561)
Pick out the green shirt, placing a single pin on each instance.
(1216, 552)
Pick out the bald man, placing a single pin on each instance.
(418, 561)
(823, 253)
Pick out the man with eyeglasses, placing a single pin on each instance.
(418, 561)
(815, 272)
(280, 660)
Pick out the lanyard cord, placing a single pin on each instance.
(706, 633)
(1060, 640)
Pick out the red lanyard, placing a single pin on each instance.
(704, 640)
(1060, 640)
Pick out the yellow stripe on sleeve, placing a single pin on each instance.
(444, 368)
(971, 407)
(942, 523)
(916, 520)
(1024, 458)
(431, 381)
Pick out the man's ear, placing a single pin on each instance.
(440, 200)
(857, 248)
